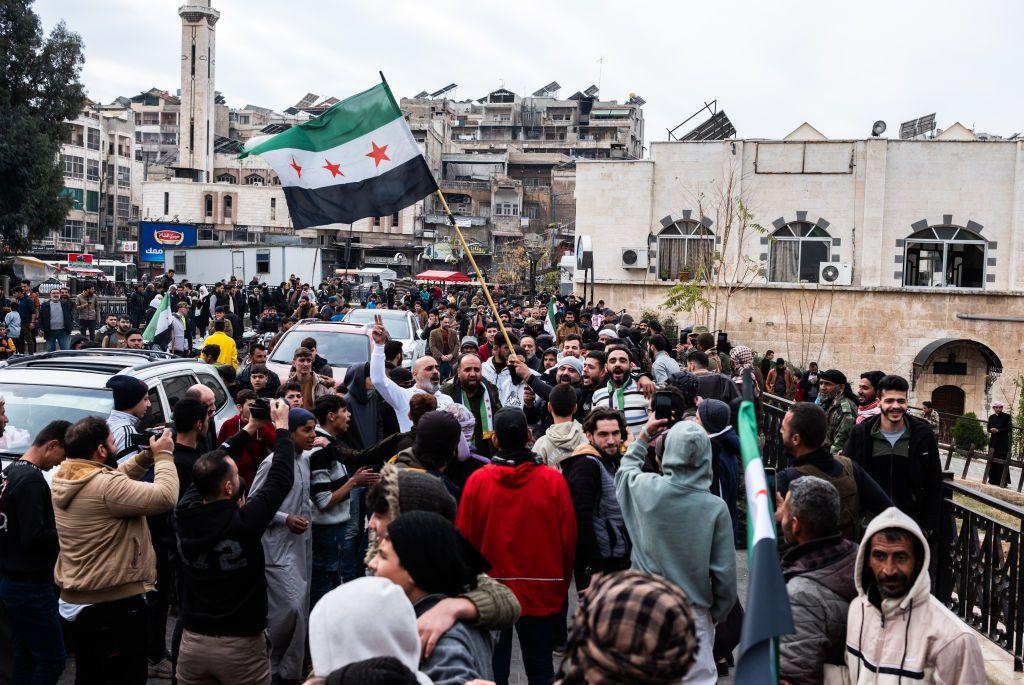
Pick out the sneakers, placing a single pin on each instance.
(160, 669)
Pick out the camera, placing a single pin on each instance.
(142, 438)
(260, 409)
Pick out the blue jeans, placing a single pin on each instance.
(328, 541)
(36, 639)
(537, 636)
(351, 560)
(56, 340)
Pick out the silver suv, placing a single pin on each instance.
(70, 384)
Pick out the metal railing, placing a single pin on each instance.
(978, 549)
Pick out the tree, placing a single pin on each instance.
(39, 92)
(726, 269)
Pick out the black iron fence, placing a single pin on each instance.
(978, 550)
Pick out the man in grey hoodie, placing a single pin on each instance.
(701, 561)
(565, 434)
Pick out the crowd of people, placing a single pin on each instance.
(406, 525)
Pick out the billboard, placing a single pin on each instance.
(155, 236)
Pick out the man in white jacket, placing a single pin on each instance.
(425, 375)
(896, 629)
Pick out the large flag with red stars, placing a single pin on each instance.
(357, 159)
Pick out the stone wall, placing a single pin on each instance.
(866, 330)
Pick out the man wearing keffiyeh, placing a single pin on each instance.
(631, 627)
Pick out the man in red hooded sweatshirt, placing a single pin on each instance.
(517, 511)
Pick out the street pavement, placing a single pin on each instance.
(518, 676)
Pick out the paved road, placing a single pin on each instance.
(518, 676)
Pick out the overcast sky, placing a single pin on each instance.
(771, 65)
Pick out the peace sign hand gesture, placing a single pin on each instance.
(379, 333)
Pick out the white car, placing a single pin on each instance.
(401, 325)
(71, 385)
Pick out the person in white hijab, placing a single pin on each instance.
(364, 618)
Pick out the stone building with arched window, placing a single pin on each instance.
(900, 255)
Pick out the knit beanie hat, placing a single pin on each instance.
(437, 437)
(128, 391)
(437, 556)
(714, 416)
(511, 428)
(381, 670)
(572, 362)
(631, 627)
(297, 417)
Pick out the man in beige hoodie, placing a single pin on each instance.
(565, 434)
(106, 562)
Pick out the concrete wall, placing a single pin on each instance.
(870, 196)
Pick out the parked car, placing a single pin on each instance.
(342, 344)
(70, 385)
(401, 325)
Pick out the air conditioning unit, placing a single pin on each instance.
(634, 258)
(835, 273)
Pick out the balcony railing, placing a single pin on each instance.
(978, 549)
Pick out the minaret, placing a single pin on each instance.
(196, 119)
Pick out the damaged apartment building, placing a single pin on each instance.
(509, 164)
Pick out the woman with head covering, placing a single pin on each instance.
(363, 619)
(425, 555)
(630, 627)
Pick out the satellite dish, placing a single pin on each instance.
(878, 129)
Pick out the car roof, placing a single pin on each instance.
(316, 325)
(92, 368)
(384, 313)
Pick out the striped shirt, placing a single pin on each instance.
(630, 401)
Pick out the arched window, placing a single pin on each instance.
(227, 206)
(685, 250)
(797, 250)
(226, 178)
(253, 180)
(208, 205)
(945, 257)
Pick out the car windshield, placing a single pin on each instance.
(30, 408)
(396, 325)
(339, 349)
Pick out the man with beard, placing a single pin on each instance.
(838, 401)
(470, 389)
(530, 357)
(426, 378)
(900, 452)
(622, 392)
(567, 327)
(443, 343)
(1000, 429)
(867, 395)
(803, 433)
(895, 622)
(258, 355)
(118, 336)
(592, 379)
(602, 545)
(819, 581)
(513, 390)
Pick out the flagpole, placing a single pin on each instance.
(476, 269)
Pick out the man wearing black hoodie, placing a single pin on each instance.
(223, 601)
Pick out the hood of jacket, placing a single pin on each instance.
(200, 525)
(71, 477)
(686, 460)
(513, 476)
(829, 562)
(920, 588)
(566, 437)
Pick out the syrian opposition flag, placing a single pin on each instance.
(357, 159)
(161, 321)
(549, 318)
(767, 613)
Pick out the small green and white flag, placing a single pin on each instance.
(550, 323)
(357, 159)
(160, 322)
